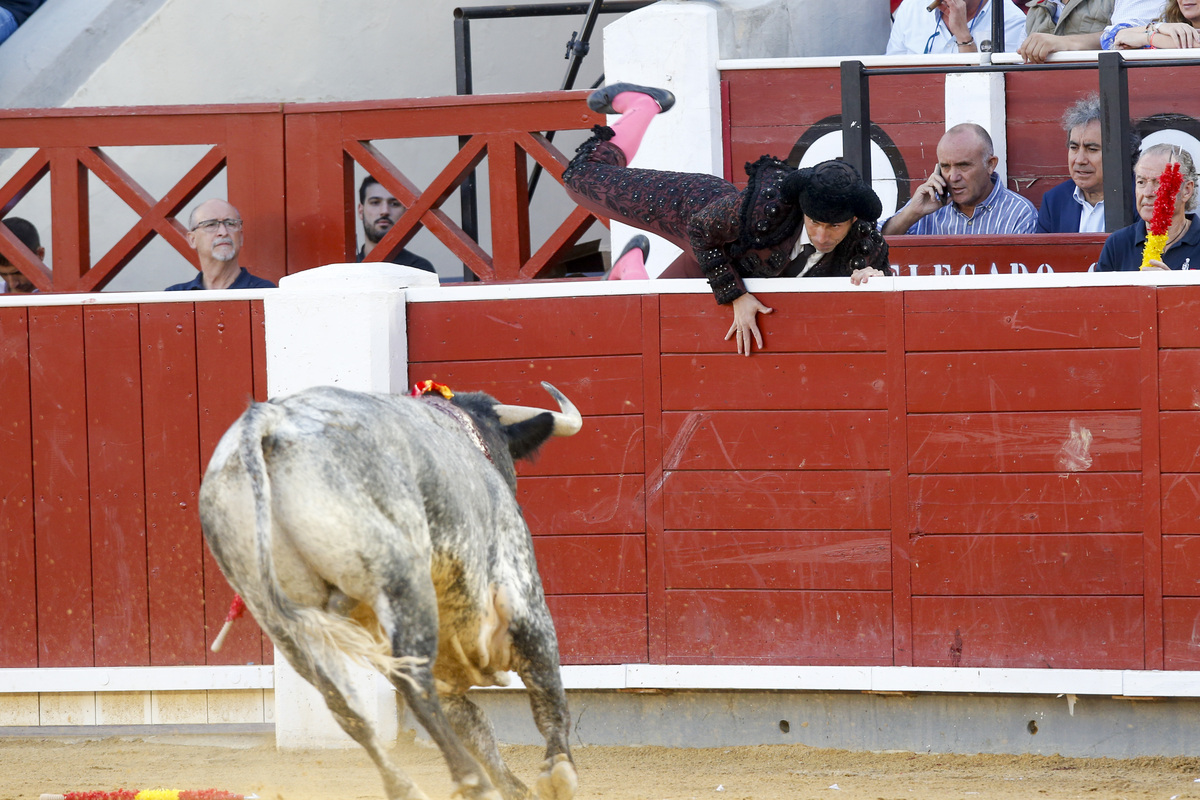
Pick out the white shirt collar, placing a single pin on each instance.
(1091, 217)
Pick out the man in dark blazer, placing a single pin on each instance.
(1077, 205)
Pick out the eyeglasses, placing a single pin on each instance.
(211, 225)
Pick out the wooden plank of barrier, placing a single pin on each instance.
(778, 560)
(1012, 442)
(1028, 632)
(61, 511)
(1046, 564)
(116, 463)
(611, 445)
(18, 567)
(776, 500)
(765, 440)
(224, 389)
(600, 628)
(607, 564)
(787, 627)
(173, 540)
(583, 504)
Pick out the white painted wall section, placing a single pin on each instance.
(341, 324)
(979, 97)
(671, 45)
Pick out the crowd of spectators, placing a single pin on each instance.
(1037, 29)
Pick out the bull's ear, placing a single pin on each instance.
(525, 437)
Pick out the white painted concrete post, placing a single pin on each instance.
(979, 97)
(671, 45)
(341, 324)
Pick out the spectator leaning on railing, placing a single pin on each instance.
(1175, 24)
(13, 13)
(1052, 26)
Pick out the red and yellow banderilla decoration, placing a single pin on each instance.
(151, 794)
(1164, 210)
(236, 609)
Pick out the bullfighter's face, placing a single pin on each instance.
(827, 235)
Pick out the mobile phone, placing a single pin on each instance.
(943, 196)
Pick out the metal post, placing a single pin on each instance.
(998, 25)
(856, 118)
(577, 47)
(1116, 136)
(468, 197)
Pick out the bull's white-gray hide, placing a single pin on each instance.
(387, 528)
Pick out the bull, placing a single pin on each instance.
(387, 528)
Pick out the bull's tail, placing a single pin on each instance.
(320, 630)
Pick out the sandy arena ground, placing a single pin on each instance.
(30, 767)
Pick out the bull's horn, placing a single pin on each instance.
(566, 423)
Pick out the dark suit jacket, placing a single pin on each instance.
(1059, 212)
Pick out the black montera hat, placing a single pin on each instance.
(833, 192)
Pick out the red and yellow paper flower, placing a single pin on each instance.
(1164, 209)
(430, 387)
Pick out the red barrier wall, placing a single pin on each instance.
(972, 478)
(110, 413)
(965, 477)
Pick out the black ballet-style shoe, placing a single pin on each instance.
(601, 99)
(621, 272)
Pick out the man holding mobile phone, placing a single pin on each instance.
(964, 195)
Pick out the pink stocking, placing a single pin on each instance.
(637, 110)
(630, 267)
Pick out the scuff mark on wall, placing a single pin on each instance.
(1074, 455)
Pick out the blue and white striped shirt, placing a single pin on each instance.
(1001, 212)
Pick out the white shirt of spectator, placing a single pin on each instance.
(1091, 217)
(917, 30)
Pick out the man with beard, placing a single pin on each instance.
(379, 211)
(215, 233)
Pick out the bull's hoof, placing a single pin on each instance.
(558, 780)
(474, 789)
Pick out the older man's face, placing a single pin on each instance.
(1146, 174)
(217, 234)
(967, 167)
(1084, 159)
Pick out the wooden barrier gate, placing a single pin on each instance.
(970, 476)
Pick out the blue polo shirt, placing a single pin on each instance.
(1123, 249)
(244, 280)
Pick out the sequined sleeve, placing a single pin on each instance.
(710, 233)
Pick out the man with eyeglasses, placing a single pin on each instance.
(215, 233)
